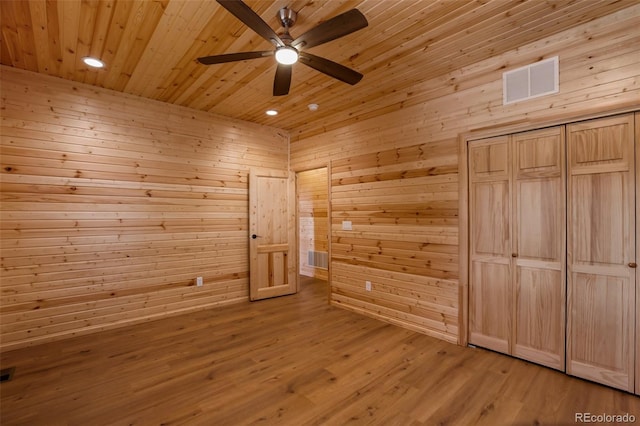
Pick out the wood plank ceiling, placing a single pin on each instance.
(150, 47)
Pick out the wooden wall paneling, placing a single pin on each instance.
(601, 228)
(313, 221)
(432, 301)
(539, 246)
(91, 315)
(637, 313)
(112, 205)
(402, 205)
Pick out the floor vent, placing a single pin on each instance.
(319, 259)
(532, 81)
(6, 374)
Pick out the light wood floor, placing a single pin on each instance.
(289, 361)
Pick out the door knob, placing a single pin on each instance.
(254, 236)
(633, 265)
(514, 254)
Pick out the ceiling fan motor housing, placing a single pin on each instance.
(287, 17)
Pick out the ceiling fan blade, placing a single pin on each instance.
(252, 20)
(282, 82)
(330, 68)
(336, 27)
(233, 57)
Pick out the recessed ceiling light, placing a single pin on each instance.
(93, 62)
(271, 112)
(312, 107)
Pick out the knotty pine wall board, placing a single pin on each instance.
(112, 205)
(393, 199)
(395, 173)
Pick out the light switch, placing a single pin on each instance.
(346, 225)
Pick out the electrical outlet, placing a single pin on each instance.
(367, 285)
(199, 281)
(346, 225)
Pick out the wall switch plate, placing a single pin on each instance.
(367, 285)
(346, 225)
(199, 281)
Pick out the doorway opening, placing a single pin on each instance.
(312, 198)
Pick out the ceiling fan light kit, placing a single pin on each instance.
(286, 55)
(288, 50)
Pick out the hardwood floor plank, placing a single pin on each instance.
(292, 360)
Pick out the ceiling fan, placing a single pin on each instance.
(289, 50)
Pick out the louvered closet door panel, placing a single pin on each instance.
(539, 246)
(490, 290)
(601, 247)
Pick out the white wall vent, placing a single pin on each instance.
(319, 259)
(531, 81)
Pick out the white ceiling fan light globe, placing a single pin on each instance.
(287, 55)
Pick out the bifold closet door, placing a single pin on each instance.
(539, 246)
(517, 245)
(490, 298)
(601, 251)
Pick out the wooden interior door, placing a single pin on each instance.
(490, 299)
(601, 251)
(272, 231)
(539, 246)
